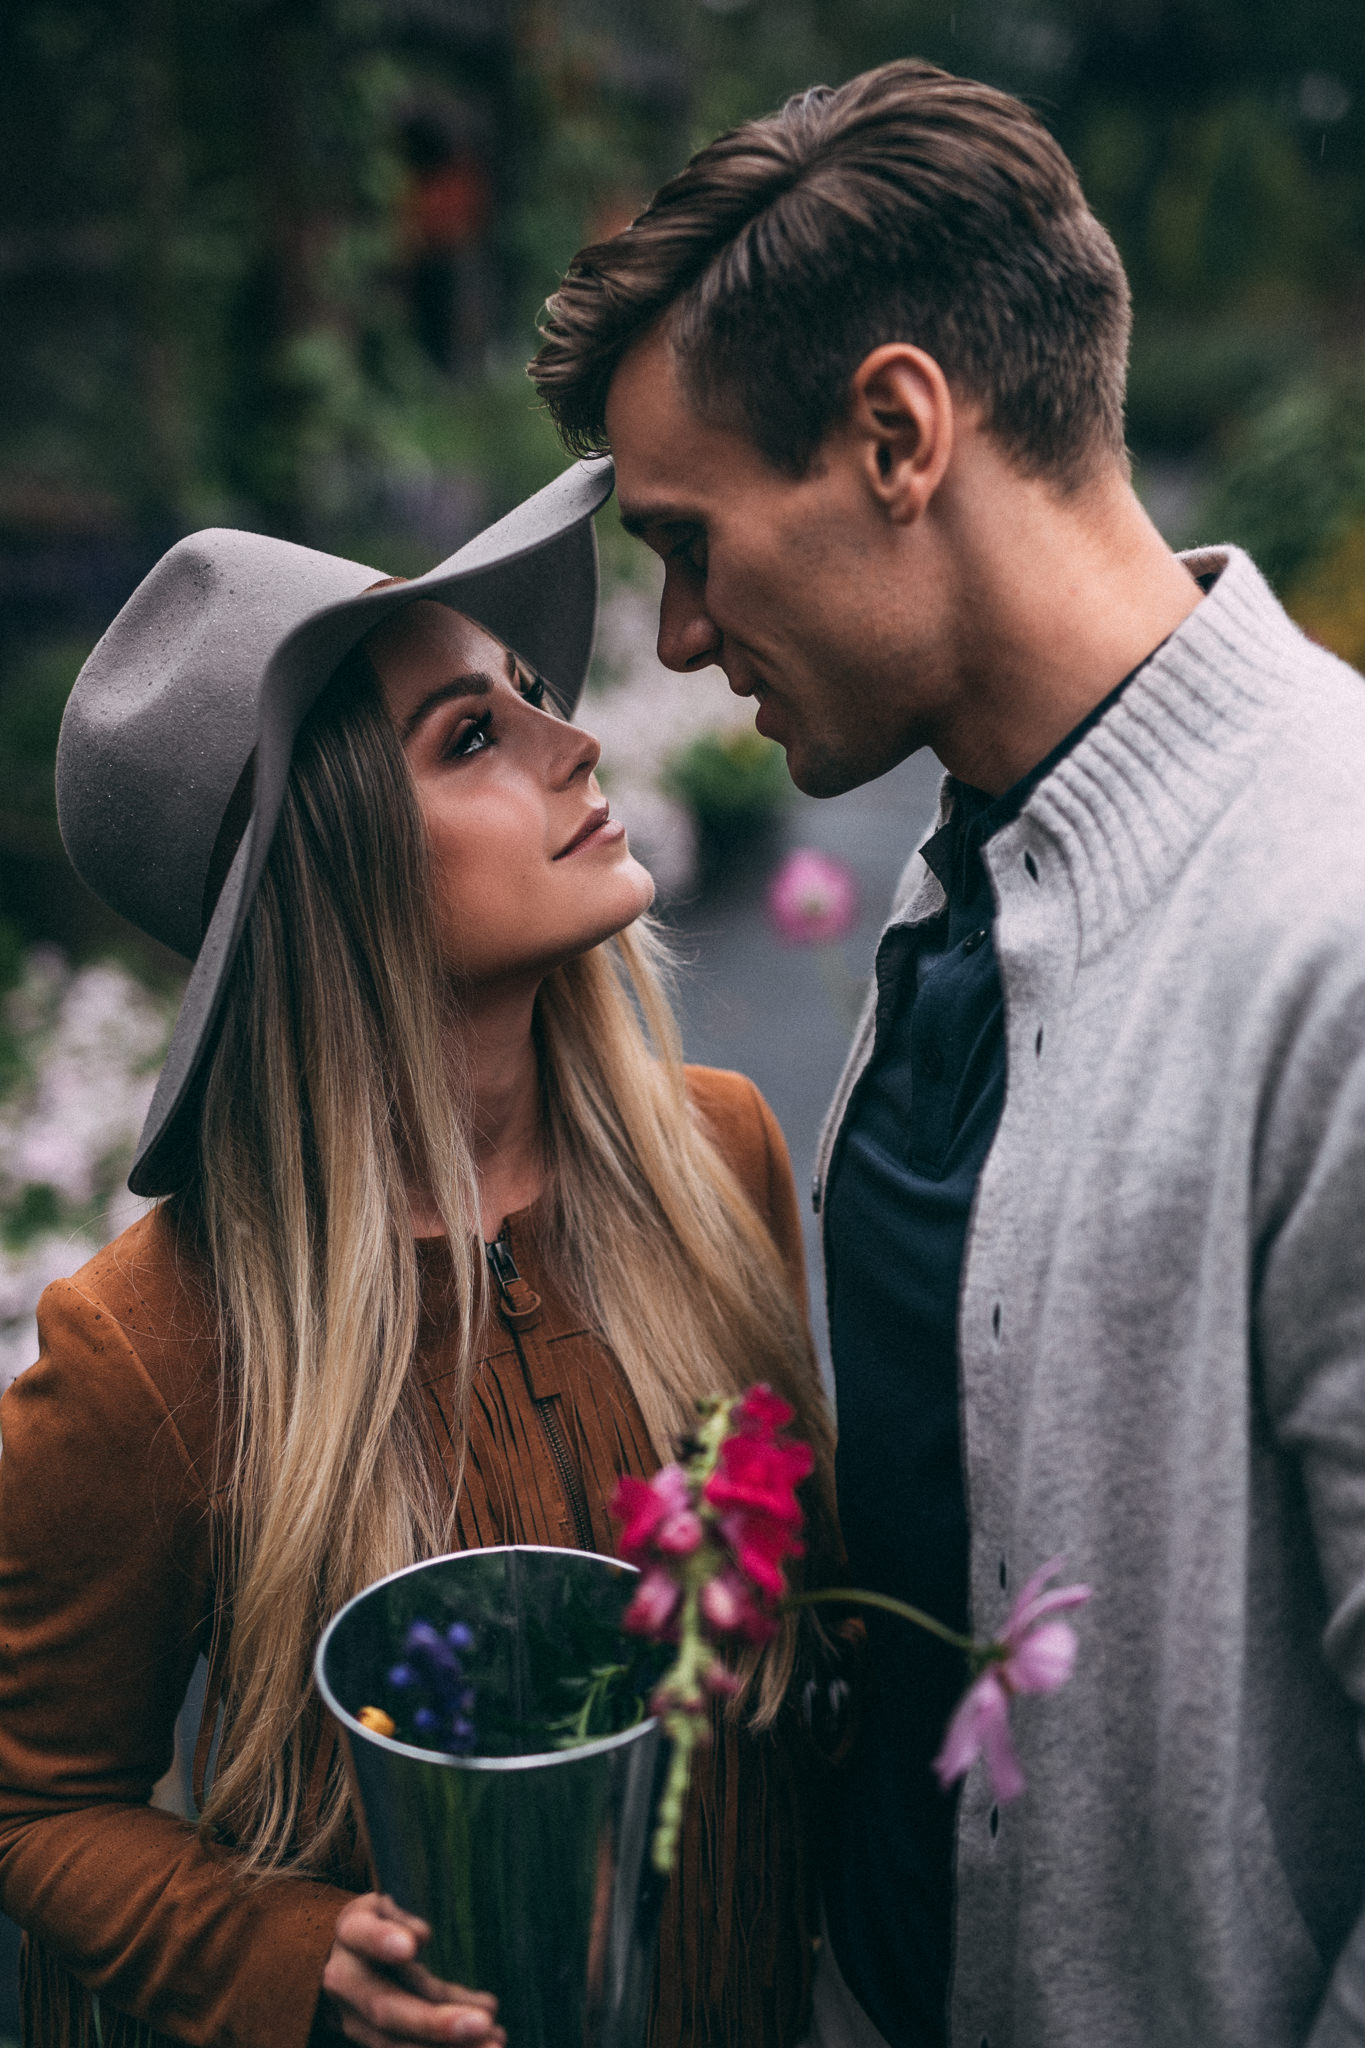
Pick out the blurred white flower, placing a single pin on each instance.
(23, 1276)
(89, 1045)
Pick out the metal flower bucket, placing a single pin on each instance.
(528, 1861)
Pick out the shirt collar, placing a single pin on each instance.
(976, 816)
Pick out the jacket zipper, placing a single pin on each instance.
(504, 1270)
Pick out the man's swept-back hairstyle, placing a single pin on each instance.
(908, 205)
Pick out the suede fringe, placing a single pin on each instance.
(58, 2012)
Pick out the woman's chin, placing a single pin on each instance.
(629, 897)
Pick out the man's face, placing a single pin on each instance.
(795, 588)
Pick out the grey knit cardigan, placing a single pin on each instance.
(1162, 1343)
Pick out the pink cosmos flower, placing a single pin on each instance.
(812, 899)
(1035, 1654)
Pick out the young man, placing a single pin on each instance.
(1094, 1176)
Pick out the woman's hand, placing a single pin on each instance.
(374, 1990)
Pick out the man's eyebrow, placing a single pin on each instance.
(477, 684)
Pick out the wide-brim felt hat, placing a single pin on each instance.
(190, 705)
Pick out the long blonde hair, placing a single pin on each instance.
(330, 1094)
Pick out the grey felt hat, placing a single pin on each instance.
(210, 669)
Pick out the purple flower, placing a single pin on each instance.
(812, 899)
(438, 1704)
(1035, 1654)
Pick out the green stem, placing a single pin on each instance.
(846, 1596)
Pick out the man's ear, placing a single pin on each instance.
(902, 419)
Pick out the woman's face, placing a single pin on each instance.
(530, 869)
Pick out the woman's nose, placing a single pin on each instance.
(578, 753)
(688, 636)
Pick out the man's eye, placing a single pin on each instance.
(471, 738)
(691, 553)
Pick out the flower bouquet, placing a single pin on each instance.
(711, 1534)
(520, 1723)
(507, 1768)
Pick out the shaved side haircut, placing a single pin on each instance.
(908, 205)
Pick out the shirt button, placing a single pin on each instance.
(973, 940)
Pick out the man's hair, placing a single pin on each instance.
(908, 205)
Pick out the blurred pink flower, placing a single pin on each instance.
(657, 1514)
(812, 899)
(729, 1605)
(1035, 1654)
(652, 1611)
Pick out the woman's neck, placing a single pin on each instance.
(504, 1081)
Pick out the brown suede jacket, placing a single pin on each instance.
(137, 1929)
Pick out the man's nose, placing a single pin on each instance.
(688, 636)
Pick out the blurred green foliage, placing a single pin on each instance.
(1296, 480)
(202, 226)
(729, 779)
(219, 305)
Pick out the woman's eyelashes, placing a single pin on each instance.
(473, 735)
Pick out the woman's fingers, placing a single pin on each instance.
(380, 2013)
(385, 1998)
(373, 1926)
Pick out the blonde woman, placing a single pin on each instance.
(448, 1241)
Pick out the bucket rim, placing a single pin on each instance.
(389, 1743)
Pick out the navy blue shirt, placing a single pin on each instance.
(910, 1152)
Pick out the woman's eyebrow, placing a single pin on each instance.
(477, 684)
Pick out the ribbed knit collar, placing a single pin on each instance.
(1126, 807)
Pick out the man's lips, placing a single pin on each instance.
(598, 824)
(768, 717)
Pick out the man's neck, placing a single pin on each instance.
(1060, 599)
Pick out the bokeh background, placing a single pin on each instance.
(277, 263)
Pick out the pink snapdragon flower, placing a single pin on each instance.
(754, 1488)
(812, 899)
(710, 1537)
(656, 1514)
(1035, 1654)
(654, 1606)
(728, 1604)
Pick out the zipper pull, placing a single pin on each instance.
(501, 1264)
(520, 1305)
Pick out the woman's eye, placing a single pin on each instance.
(533, 690)
(471, 738)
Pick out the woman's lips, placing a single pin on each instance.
(599, 828)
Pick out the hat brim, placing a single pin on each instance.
(531, 580)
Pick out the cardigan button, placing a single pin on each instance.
(973, 940)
